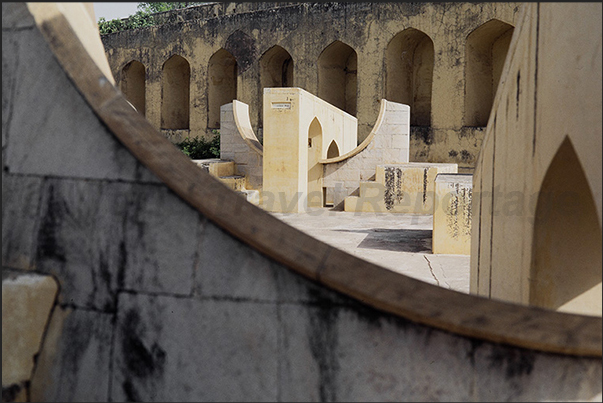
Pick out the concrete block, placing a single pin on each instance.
(27, 300)
(220, 350)
(452, 214)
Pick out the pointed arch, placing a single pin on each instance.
(486, 50)
(221, 86)
(315, 196)
(409, 73)
(333, 150)
(133, 84)
(566, 249)
(337, 76)
(276, 70)
(175, 93)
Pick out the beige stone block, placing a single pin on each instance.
(222, 168)
(409, 188)
(27, 300)
(452, 214)
(235, 182)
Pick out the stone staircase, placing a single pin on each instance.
(399, 188)
(225, 171)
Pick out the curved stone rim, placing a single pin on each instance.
(462, 314)
(366, 141)
(240, 111)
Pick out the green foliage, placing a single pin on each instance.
(200, 148)
(153, 7)
(142, 18)
(138, 20)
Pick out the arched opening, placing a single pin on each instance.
(276, 70)
(409, 73)
(315, 196)
(133, 84)
(175, 94)
(566, 254)
(337, 76)
(333, 150)
(222, 85)
(486, 51)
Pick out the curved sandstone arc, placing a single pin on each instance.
(465, 315)
(243, 122)
(367, 140)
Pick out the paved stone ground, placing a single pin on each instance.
(399, 242)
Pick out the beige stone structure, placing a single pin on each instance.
(27, 300)
(238, 143)
(538, 199)
(301, 130)
(171, 287)
(452, 214)
(388, 143)
(400, 188)
(444, 60)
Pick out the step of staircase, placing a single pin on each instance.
(235, 182)
(217, 167)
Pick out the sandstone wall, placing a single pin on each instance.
(380, 34)
(537, 188)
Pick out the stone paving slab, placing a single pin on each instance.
(398, 242)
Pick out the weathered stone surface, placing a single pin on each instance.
(16, 17)
(510, 374)
(20, 204)
(335, 353)
(81, 239)
(37, 141)
(228, 269)
(452, 214)
(8, 82)
(74, 362)
(161, 242)
(175, 349)
(27, 300)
